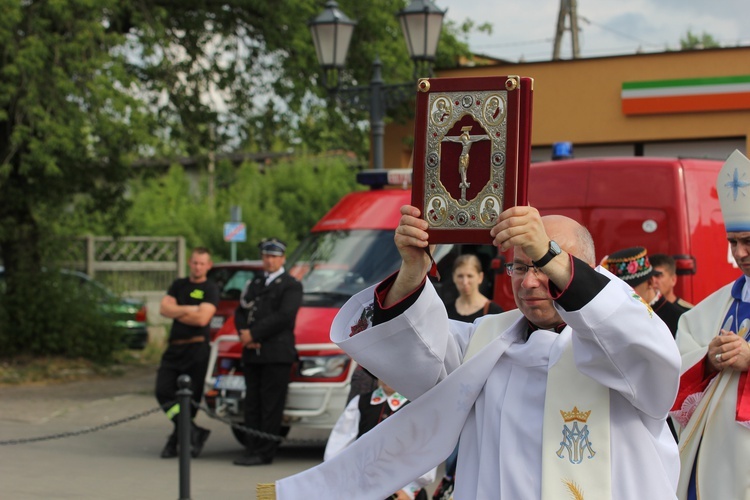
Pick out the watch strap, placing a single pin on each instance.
(551, 254)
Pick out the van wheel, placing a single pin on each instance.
(241, 436)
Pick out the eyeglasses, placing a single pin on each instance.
(518, 270)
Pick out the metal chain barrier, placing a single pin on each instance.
(82, 431)
(241, 428)
(205, 409)
(255, 432)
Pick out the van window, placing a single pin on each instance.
(231, 281)
(334, 265)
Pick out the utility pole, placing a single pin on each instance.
(211, 164)
(568, 9)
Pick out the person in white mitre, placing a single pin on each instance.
(713, 405)
(565, 397)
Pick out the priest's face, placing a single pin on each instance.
(532, 295)
(739, 243)
(531, 291)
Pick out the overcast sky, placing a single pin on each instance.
(525, 29)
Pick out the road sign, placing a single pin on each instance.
(235, 231)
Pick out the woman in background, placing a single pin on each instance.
(470, 304)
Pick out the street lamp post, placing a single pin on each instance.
(421, 22)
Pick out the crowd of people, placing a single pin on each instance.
(601, 384)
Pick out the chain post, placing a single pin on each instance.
(184, 395)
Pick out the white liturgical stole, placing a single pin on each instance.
(575, 439)
(576, 461)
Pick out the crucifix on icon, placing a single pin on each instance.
(466, 141)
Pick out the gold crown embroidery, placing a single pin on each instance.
(569, 416)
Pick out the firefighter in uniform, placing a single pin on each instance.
(265, 323)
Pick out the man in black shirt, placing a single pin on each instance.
(191, 302)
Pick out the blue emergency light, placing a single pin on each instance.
(562, 150)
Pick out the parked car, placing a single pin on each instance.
(231, 278)
(127, 314)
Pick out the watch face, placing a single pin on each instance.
(554, 247)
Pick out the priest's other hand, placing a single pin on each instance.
(521, 227)
(411, 241)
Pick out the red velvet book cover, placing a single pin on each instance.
(472, 149)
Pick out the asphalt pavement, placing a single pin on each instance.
(122, 461)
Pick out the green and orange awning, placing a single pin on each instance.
(686, 95)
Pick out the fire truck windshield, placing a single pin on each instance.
(334, 265)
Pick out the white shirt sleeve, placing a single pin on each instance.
(345, 431)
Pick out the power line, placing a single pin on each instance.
(643, 45)
(616, 32)
(513, 44)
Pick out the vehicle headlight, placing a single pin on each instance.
(323, 366)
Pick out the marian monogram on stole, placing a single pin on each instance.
(575, 444)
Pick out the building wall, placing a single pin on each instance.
(580, 101)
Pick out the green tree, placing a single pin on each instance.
(88, 86)
(221, 63)
(283, 200)
(68, 124)
(693, 41)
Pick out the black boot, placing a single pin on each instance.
(251, 459)
(170, 449)
(198, 437)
